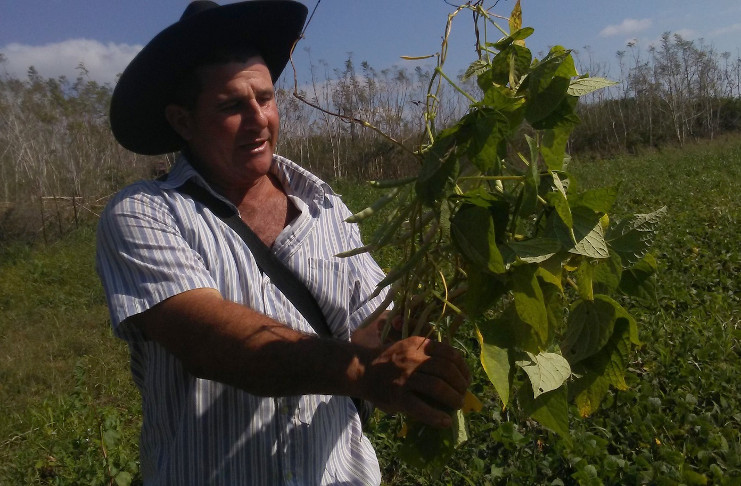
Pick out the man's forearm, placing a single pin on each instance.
(227, 342)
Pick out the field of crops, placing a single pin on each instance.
(70, 412)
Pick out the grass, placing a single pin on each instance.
(71, 414)
(62, 374)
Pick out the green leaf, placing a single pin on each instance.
(554, 306)
(498, 208)
(584, 276)
(599, 200)
(111, 438)
(528, 300)
(520, 34)
(633, 236)
(582, 86)
(549, 409)
(548, 84)
(546, 371)
(606, 275)
(497, 345)
(587, 237)
(637, 280)
(563, 116)
(427, 447)
(602, 370)
(507, 103)
(476, 68)
(512, 60)
(123, 478)
(551, 271)
(484, 133)
(588, 328)
(692, 478)
(535, 250)
(553, 146)
(484, 290)
(558, 200)
(528, 203)
(439, 168)
(475, 236)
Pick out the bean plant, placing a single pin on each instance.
(496, 239)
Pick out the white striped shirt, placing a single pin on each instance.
(155, 242)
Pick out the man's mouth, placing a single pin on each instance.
(255, 146)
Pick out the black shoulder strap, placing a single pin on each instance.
(279, 274)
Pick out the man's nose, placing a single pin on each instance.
(254, 115)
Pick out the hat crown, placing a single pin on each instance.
(194, 8)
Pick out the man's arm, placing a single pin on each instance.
(223, 341)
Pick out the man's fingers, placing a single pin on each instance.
(436, 391)
(419, 409)
(445, 352)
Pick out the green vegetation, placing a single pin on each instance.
(495, 242)
(680, 420)
(71, 414)
(70, 411)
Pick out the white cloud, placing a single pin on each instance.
(627, 27)
(687, 34)
(729, 29)
(103, 61)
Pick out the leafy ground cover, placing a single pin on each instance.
(71, 414)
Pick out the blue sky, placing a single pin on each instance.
(56, 35)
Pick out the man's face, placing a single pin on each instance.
(233, 129)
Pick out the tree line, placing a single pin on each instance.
(59, 162)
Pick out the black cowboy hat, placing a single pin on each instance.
(139, 99)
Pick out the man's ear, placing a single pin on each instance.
(180, 120)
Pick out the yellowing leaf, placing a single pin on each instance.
(515, 21)
(496, 340)
(471, 403)
(600, 371)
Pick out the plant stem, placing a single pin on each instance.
(493, 178)
(457, 88)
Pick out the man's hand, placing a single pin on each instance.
(371, 336)
(422, 378)
(383, 331)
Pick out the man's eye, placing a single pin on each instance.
(230, 106)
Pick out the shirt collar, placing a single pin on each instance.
(295, 179)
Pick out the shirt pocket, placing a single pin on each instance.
(328, 282)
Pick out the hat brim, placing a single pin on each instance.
(139, 99)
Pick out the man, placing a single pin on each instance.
(237, 388)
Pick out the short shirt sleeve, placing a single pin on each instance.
(142, 257)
